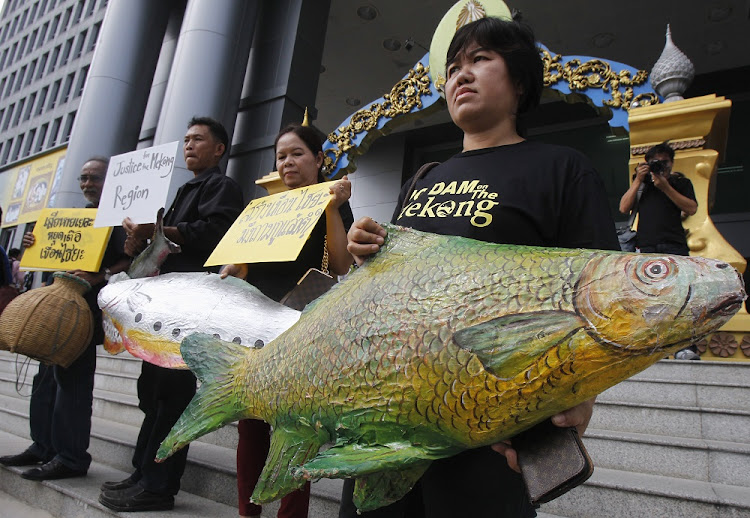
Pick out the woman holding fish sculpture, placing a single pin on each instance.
(503, 189)
(299, 160)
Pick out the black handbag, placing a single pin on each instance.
(311, 285)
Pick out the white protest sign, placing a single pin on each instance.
(137, 185)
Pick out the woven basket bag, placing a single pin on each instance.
(52, 324)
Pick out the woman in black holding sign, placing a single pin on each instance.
(299, 161)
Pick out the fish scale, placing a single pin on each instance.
(439, 344)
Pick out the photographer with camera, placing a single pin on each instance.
(666, 198)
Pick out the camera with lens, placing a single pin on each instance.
(657, 166)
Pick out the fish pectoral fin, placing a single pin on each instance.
(385, 487)
(289, 449)
(507, 345)
(352, 460)
(217, 364)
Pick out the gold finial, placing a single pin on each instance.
(305, 120)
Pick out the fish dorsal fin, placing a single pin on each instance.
(507, 345)
(217, 364)
(290, 447)
(385, 487)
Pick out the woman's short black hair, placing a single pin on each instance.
(309, 135)
(514, 41)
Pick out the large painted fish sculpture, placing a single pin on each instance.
(439, 344)
(151, 315)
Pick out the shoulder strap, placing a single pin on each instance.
(421, 173)
(634, 212)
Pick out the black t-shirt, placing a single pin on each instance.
(276, 279)
(659, 219)
(528, 193)
(203, 210)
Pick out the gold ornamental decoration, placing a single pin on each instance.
(402, 99)
(596, 73)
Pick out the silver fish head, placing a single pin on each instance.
(657, 301)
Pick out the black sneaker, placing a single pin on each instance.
(135, 499)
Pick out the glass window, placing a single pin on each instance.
(29, 142)
(42, 98)
(66, 18)
(8, 116)
(53, 59)
(66, 52)
(42, 64)
(17, 148)
(94, 36)
(79, 44)
(68, 126)
(32, 69)
(53, 94)
(66, 87)
(42, 34)
(21, 74)
(19, 112)
(6, 151)
(30, 107)
(81, 81)
(40, 139)
(53, 28)
(54, 131)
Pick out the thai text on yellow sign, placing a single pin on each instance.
(67, 240)
(32, 184)
(273, 228)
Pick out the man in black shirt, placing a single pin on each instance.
(203, 210)
(665, 196)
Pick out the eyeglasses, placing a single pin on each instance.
(90, 178)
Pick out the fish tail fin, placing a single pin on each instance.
(216, 364)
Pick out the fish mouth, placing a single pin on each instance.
(727, 307)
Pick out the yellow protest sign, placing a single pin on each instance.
(32, 185)
(273, 228)
(67, 240)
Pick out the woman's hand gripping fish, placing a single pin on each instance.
(439, 344)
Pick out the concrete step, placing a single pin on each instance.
(79, 497)
(697, 459)
(618, 494)
(210, 472)
(673, 421)
(691, 393)
(702, 371)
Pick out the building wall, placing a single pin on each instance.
(46, 47)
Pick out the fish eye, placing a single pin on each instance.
(157, 326)
(655, 270)
(138, 317)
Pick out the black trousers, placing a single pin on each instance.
(163, 394)
(476, 483)
(60, 411)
